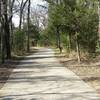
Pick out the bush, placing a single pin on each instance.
(19, 42)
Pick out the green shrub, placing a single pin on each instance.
(19, 42)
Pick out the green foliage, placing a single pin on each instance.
(34, 32)
(74, 16)
(19, 42)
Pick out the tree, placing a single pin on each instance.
(28, 26)
(22, 6)
(78, 20)
(6, 28)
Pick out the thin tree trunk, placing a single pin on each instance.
(20, 22)
(69, 46)
(78, 50)
(23, 4)
(12, 41)
(11, 5)
(28, 22)
(59, 40)
(2, 47)
(21, 13)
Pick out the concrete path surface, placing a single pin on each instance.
(41, 77)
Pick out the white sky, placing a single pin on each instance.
(37, 1)
(34, 4)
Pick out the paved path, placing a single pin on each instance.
(42, 77)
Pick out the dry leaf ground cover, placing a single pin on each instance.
(5, 71)
(88, 70)
(7, 68)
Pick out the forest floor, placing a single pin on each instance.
(7, 68)
(88, 70)
(5, 71)
(40, 76)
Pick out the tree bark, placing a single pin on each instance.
(23, 4)
(2, 47)
(11, 5)
(6, 29)
(59, 40)
(28, 22)
(78, 50)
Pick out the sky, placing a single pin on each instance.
(37, 1)
(34, 4)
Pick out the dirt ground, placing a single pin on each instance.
(88, 70)
(7, 68)
(41, 76)
(5, 71)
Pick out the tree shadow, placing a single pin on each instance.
(8, 99)
(7, 68)
(55, 96)
(24, 76)
(87, 95)
(91, 78)
(5, 71)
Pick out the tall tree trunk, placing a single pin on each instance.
(11, 5)
(20, 21)
(70, 43)
(28, 22)
(2, 49)
(2, 34)
(23, 4)
(0, 27)
(21, 13)
(7, 40)
(78, 50)
(99, 20)
(2, 46)
(6, 30)
(12, 35)
(59, 40)
(58, 37)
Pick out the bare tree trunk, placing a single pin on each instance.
(78, 50)
(11, 5)
(2, 35)
(0, 26)
(2, 47)
(28, 22)
(59, 40)
(58, 37)
(69, 45)
(20, 22)
(23, 4)
(6, 22)
(6, 29)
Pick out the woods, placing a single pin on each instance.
(78, 25)
(72, 25)
(7, 29)
(49, 49)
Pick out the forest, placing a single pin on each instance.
(49, 49)
(72, 25)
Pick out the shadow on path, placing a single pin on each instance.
(40, 77)
(7, 68)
